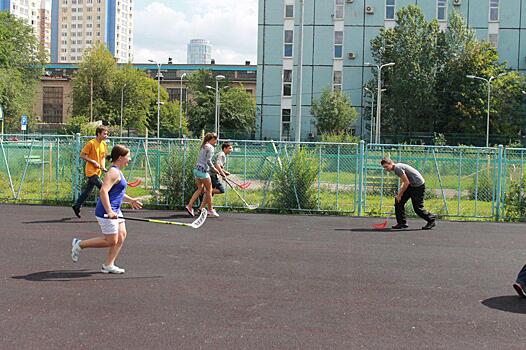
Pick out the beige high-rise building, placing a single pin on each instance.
(79, 24)
(36, 13)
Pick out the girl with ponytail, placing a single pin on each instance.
(108, 212)
(202, 177)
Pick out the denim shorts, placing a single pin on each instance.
(201, 174)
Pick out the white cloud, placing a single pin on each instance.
(161, 31)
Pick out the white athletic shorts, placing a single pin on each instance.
(109, 226)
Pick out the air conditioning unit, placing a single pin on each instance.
(350, 1)
(369, 9)
(351, 55)
(457, 2)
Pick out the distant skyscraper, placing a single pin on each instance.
(36, 13)
(199, 52)
(78, 24)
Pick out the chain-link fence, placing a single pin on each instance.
(461, 182)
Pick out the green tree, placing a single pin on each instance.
(238, 107)
(409, 104)
(21, 59)
(427, 89)
(333, 112)
(111, 82)
(94, 81)
(170, 113)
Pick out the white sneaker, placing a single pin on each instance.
(112, 269)
(75, 249)
(213, 213)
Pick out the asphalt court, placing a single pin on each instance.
(260, 281)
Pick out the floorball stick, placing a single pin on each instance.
(249, 206)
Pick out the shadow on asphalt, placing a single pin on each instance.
(69, 275)
(508, 303)
(59, 221)
(375, 230)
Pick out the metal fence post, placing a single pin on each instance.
(360, 176)
(499, 182)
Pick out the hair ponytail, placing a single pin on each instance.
(117, 152)
(209, 136)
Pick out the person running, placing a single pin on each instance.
(202, 176)
(108, 213)
(220, 161)
(413, 186)
(93, 153)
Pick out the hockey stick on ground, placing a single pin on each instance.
(383, 225)
(195, 224)
(249, 206)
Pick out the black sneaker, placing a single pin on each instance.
(429, 225)
(519, 289)
(399, 226)
(76, 210)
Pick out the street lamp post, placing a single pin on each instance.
(122, 104)
(379, 99)
(218, 102)
(181, 107)
(159, 76)
(488, 82)
(372, 114)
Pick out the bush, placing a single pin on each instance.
(80, 124)
(343, 137)
(296, 177)
(515, 200)
(178, 179)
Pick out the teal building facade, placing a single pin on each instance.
(326, 44)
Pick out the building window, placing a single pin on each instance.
(494, 39)
(174, 94)
(289, 11)
(442, 10)
(389, 9)
(289, 37)
(337, 81)
(339, 9)
(287, 82)
(52, 103)
(285, 124)
(493, 10)
(338, 44)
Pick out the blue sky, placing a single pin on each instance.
(163, 28)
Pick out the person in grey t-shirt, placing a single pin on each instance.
(219, 162)
(413, 186)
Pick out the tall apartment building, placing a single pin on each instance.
(336, 44)
(199, 51)
(36, 13)
(78, 24)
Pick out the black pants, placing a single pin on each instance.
(417, 198)
(92, 182)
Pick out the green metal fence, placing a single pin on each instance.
(461, 182)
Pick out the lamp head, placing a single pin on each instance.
(470, 76)
(220, 77)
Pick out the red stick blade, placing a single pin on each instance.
(380, 226)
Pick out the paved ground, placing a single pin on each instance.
(260, 281)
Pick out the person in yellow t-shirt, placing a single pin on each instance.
(94, 154)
